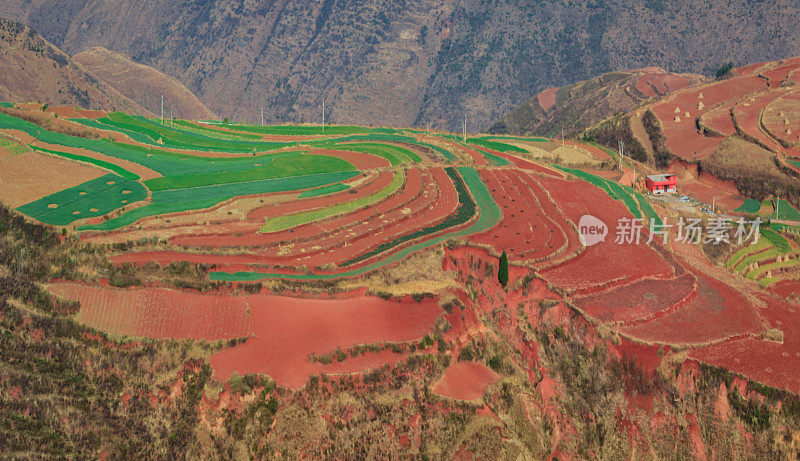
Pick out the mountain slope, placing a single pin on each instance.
(422, 62)
(34, 70)
(143, 83)
(580, 105)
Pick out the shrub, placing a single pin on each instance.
(502, 271)
(724, 70)
(653, 128)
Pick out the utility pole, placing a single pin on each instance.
(562, 136)
(162, 109)
(465, 128)
(777, 204)
(714, 204)
(262, 116)
(171, 117)
(323, 117)
(621, 153)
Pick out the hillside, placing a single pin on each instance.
(580, 105)
(196, 290)
(742, 128)
(421, 62)
(143, 83)
(33, 70)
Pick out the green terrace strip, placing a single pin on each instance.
(749, 206)
(164, 162)
(324, 190)
(197, 198)
(7, 105)
(143, 130)
(101, 163)
(488, 216)
(735, 261)
(377, 136)
(296, 164)
(284, 222)
(173, 164)
(103, 195)
(511, 138)
(646, 208)
(777, 240)
(625, 194)
(785, 228)
(394, 154)
(493, 159)
(465, 212)
(444, 152)
(494, 145)
(785, 211)
(299, 130)
(13, 147)
(205, 130)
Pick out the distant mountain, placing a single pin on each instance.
(33, 70)
(143, 83)
(410, 62)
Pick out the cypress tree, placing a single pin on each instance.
(502, 271)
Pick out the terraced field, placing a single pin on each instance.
(254, 203)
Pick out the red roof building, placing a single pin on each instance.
(662, 183)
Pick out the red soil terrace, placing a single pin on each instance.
(158, 312)
(465, 381)
(547, 98)
(288, 330)
(601, 264)
(773, 363)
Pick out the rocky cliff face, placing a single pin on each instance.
(412, 62)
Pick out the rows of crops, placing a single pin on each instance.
(94, 198)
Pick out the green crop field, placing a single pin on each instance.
(489, 215)
(464, 213)
(324, 190)
(495, 145)
(82, 158)
(394, 154)
(786, 211)
(280, 223)
(13, 147)
(196, 198)
(92, 198)
(216, 134)
(300, 130)
(749, 206)
(292, 164)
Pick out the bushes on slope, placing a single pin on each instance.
(653, 128)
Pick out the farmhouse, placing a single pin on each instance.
(661, 183)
